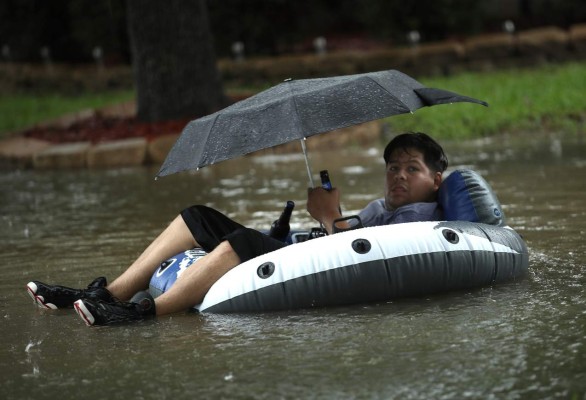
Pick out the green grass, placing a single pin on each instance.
(549, 98)
(20, 111)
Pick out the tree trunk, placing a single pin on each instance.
(174, 61)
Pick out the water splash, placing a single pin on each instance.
(30, 345)
(229, 377)
(29, 350)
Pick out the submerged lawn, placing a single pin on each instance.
(544, 98)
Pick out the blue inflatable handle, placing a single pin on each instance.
(169, 270)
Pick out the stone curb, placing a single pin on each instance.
(23, 152)
(70, 155)
(119, 153)
(20, 152)
(158, 148)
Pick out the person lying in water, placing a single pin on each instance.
(414, 168)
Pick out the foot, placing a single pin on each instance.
(98, 312)
(55, 296)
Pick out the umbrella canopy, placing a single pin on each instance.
(297, 109)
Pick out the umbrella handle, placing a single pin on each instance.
(304, 149)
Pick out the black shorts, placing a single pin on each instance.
(210, 227)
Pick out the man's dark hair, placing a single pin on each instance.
(433, 154)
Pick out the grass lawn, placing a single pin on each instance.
(549, 98)
(20, 111)
(544, 98)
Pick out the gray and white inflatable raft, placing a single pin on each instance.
(472, 249)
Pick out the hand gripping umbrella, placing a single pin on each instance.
(297, 109)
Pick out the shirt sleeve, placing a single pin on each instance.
(375, 213)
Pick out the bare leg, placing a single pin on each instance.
(173, 240)
(191, 287)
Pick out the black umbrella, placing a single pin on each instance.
(297, 109)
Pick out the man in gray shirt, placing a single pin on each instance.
(414, 167)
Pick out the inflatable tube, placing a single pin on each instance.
(363, 265)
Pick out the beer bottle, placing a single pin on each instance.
(325, 179)
(280, 228)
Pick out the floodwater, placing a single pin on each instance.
(518, 340)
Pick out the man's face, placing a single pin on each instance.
(409, 180)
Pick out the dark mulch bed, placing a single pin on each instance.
(100, 128)
(103, 128)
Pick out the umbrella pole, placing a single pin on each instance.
(311, 184)
(304, 149)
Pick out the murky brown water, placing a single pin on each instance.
(517, 340)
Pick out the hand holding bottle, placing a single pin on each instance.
(323, 203)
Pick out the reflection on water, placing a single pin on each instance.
(518, 340)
